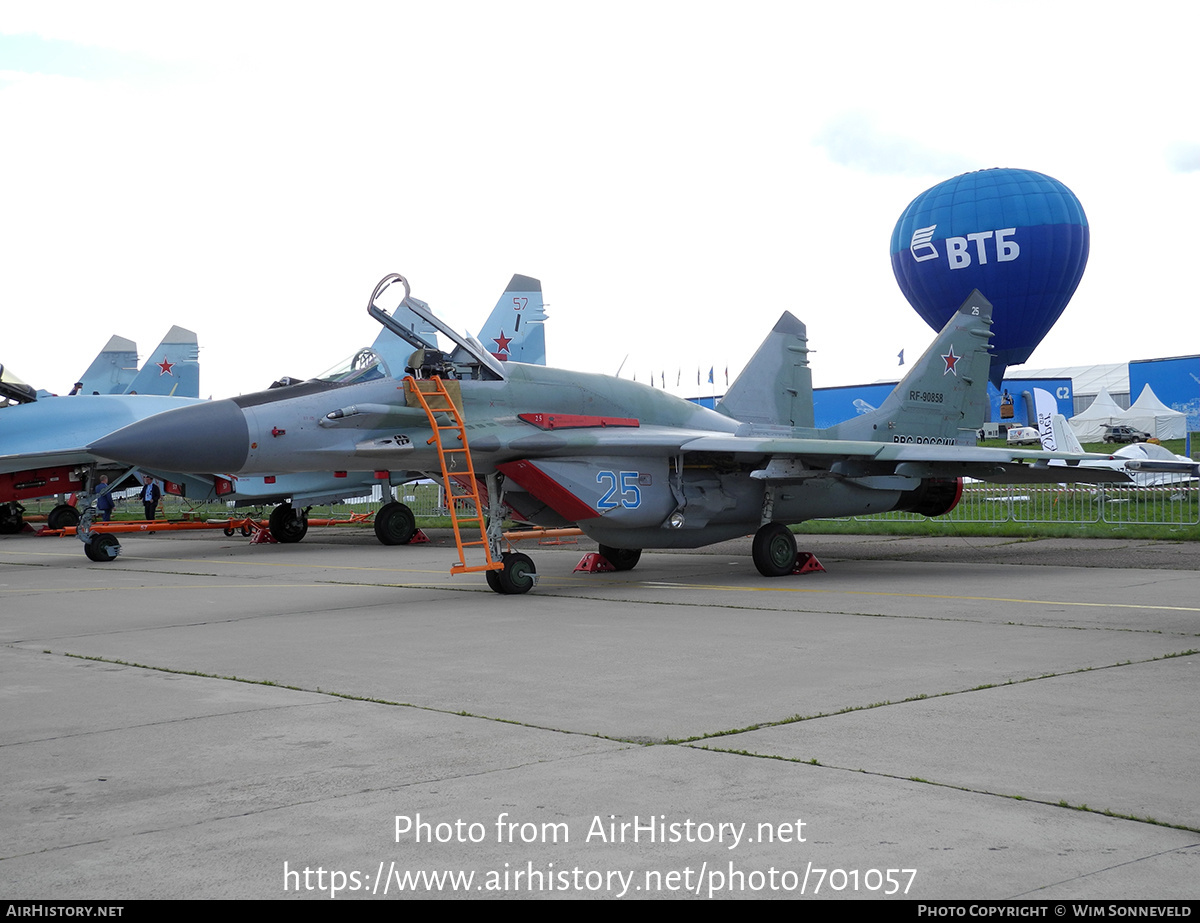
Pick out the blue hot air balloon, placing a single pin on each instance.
(1018, 236)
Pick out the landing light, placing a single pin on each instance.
(675, 520)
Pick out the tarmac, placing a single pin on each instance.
(957, 718)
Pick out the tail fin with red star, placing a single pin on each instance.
(173, 368)
(943, 398)
(514, 332)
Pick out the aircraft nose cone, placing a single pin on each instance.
(207, 438)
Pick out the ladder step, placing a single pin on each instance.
(436, 400)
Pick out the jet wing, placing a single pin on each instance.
(793, 458)
(23, 461)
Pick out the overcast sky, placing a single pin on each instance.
(676, 174)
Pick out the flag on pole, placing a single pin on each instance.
(710, 374)
(901, 357)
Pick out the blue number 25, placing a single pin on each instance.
(631, 495)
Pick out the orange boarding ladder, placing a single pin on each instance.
(432, 395)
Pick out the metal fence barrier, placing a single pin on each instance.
(1171, 503)
(1174, 502)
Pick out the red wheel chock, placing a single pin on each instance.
(594, 563)
(262, 534)
(807, 563)
(419, 538)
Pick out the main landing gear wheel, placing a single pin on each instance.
(774, 550)
(11, 520)
(287, 524)
(63, 516)
(102, 548)
(519, 574)
(621, 558)
(395, 524)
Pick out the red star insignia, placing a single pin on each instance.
(502, 342)
(951, 361)
(165, 366)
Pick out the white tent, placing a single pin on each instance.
(1089, 425)
(1150, 414)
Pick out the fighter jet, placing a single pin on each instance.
(42, 442)
(513, 329)
(44, 452)
(633, 466)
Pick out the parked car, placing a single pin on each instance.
(1123, 433)
(1023, 435)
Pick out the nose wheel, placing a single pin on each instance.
(518, 576)
(102, 548)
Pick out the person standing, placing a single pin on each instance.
(104, 500)
(151, 494)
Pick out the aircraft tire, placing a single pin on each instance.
(288, 527)
(493, 580)
(519, 574)
(11, 520)
(395, 524)
(621, 558)
(774, 550)
(63, 516)
(97, 549)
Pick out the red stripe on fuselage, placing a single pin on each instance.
(549, 491)
(574, 421)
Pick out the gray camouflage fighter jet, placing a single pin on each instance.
(513, 331)
(633, 466)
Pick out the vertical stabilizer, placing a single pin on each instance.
(173, 368)
(112, 371)
(514, 331)
(775, 389)
(943, 398)
(1057, 435)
